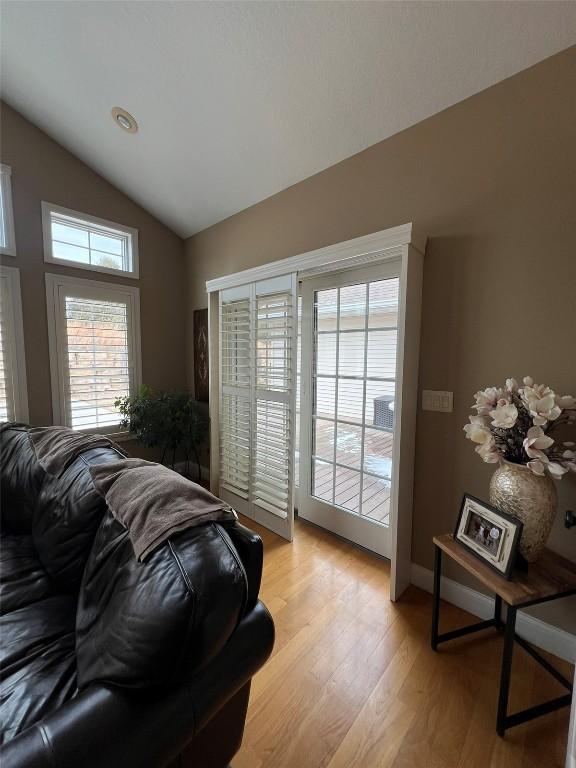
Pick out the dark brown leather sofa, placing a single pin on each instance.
(109, 662)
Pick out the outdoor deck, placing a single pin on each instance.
(339, 483)
(346, 484)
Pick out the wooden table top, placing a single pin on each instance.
(551, 576)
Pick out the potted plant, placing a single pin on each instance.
(171, 421)
(517, 427)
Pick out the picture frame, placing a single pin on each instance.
(201, 355)
(491, 535)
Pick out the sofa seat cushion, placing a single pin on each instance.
(37, 662)
(24, 580)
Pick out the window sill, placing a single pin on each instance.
(131, 273)
(117, 437)
(120, 437)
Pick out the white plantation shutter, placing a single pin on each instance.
(235, 444)
(271, 476)
(99, 365)
(275, 379)
(94, 350)
(274, 324)
(235, 373)
(236, 322)
(257, 399)
(13, 395)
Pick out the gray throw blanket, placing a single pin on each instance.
(10, 425)
(153, 502)
(57, 447)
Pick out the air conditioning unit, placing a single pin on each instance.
(384, 411)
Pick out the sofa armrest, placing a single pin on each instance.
(250, 550)
(118, 727)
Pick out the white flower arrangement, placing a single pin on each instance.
(514, 423)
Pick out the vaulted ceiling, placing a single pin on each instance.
(238, 100)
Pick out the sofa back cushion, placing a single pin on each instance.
(62, 513)
(67, 516)
(21, 479)
(142, 623)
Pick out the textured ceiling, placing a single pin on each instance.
(239, 100)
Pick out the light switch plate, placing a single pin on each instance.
(434, 400)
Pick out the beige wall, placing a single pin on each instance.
(43, 170)
(492, 182)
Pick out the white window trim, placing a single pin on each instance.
(16, 342)
(361, 251)
(8, 213)
(57, 345)
(49, 208)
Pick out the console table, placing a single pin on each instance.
(552, 577)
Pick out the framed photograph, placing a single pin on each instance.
(491, 535)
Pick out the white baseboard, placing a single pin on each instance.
(550, 638)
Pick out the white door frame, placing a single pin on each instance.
(398, 242)
(571, 748)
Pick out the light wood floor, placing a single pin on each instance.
(353, 683)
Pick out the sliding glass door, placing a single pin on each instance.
(347, 399)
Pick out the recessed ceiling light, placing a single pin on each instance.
(124, 120)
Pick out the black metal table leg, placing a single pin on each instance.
(436, 598)
(498, 612)
(506, 670)
(504, 720)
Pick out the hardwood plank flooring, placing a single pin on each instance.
(353, 683)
